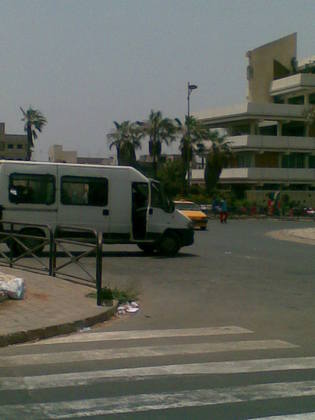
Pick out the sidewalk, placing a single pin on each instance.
(51, 306)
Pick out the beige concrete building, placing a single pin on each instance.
(12, 146)
(57, 154)
(273, 133)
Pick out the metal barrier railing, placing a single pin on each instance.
(91, 240)
(28, 240)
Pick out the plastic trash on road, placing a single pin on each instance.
(11, 286)
(130, 307)
(85, 329)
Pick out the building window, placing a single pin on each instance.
(10, 146)
(312, 99)
(249, 72)
(294, 160)
(20, 146)
(311, 161)
(32, 189)
(278, 99)
(244, 160)
(84, 191)
(296, 100)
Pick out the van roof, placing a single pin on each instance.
(26, 162)
(79, 165)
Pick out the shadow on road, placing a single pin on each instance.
(117, 254)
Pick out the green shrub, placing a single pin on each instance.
(106, 294)
(122, 296)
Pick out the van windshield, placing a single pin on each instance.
(159, 198)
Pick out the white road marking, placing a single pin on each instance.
(303, 416)
(145, 351)
(143, 334)
(158, 401)
(93, 377)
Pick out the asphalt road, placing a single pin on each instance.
(233, 273)
(225, 331)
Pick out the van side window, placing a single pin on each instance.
(84, 191)
(32, 188)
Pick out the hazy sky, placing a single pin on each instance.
(85, 63)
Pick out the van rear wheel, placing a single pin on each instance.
(147, 248)
(169, 245)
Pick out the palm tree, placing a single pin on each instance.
(219, 155)
(159, 130)
(192, 135)
(201, 152)
(126, 139)
(309, 115)
(34, 123)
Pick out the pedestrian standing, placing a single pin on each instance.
(223, 212)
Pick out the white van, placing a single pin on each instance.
(116, 200)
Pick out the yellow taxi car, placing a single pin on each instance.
(193, 212)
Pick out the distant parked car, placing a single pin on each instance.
(309, 211)
(193, 212)
(206, 208)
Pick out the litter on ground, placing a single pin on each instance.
(130, 307)
(12, 286)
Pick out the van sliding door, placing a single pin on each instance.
(84, 200)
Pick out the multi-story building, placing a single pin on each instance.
(272, 135)
(12, 146)
(57, 154)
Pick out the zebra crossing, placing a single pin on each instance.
(143, 354)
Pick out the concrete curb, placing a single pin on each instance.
(53, 330)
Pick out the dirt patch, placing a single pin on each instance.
(39, 296)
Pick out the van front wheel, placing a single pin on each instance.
(169, 245)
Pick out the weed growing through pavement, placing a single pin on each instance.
(122, 296)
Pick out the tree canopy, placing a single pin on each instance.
(218, 156)
(159, 130)
(126, 139)
(34, 122)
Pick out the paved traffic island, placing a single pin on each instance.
(304, 236)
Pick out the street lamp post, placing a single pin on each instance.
(190, 88)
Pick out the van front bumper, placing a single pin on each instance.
(187, 236)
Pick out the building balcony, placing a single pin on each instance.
(224, 117)
(260, 176)
(268, 175)
(301, 82)
(272, 143)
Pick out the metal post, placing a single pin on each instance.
(190, 88)
(12, 242)
(99, 256)
(52, 254)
